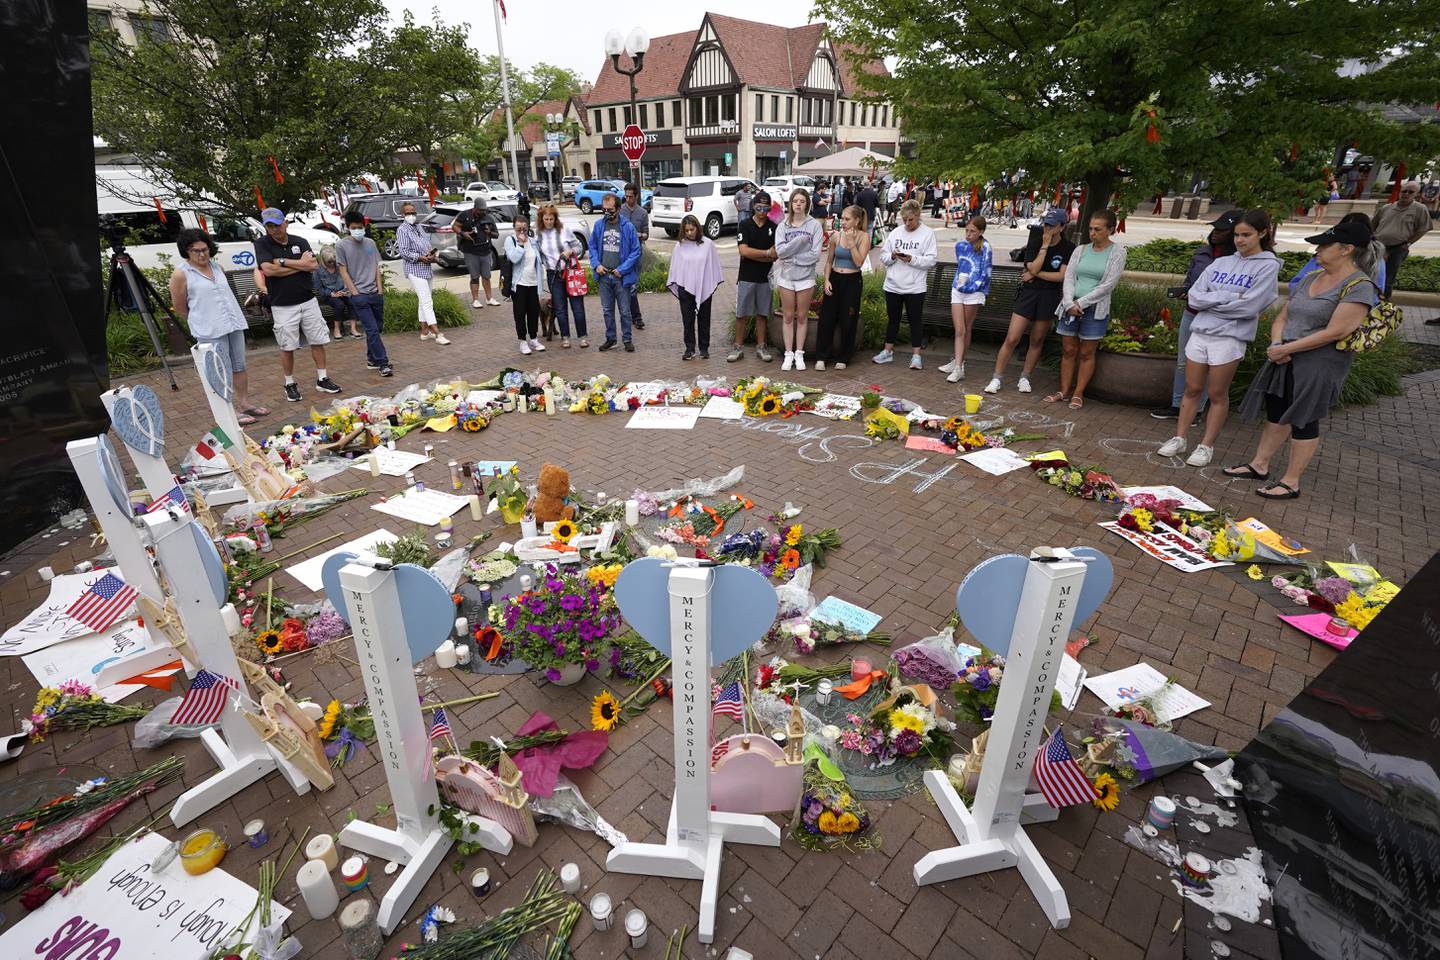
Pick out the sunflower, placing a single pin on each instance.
(793, 535)
(269, 642)
(847, 823)
(472, 425)
(769, 405)
(1109, 790)
(605, 712)
(828, 822)
(752, 391)
(790, 559)
(327, 722)
(564, 530)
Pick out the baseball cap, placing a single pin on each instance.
(1055, 217)
(1353, 233)
(271, 215)
(1227, 220)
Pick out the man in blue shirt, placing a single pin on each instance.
(615, 258)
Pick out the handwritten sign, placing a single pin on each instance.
(664, 418)
(1168, 547)
(393, 463)
(1317, 625)
(995, 461)
(49, 623)
(722, 408)
(929, 444)
(648, 392)
(83, 658)
(845, 614)
(1122, 687)
(128, 911)
(836, 406)
(426, 507)
(1187, 502)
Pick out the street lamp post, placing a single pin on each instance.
(552, 120)
(635, 44)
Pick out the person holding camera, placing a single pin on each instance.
(477, 235)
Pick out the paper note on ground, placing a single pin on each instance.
(836, 406)
(664, 418)
(995, 460)
(308, 571)
(645, 392)
(49, 623)
(1317, 626)
(83, 658)
(129, 911)
(722, 408)
(931, 444)
(1140, 682)
(393, 463)
(1285, 546)
(482, 397)
(845, 614)
(1049, 455)
(1357, 573)
(427, 507)
(1069, 681)
(1187, 502)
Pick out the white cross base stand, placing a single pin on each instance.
(696, 834)
(404, 743)
(991, 835)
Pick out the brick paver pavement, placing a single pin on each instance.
(913, 525)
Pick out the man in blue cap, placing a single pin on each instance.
(288, 263)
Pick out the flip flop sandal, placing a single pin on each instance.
(1056, 397)
(257, 411)
(1076, 403)
(1290, 494)
(245, 420)
(1245, 471)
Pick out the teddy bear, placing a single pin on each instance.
(554, 487)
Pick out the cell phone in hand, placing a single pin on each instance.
(1175, 293)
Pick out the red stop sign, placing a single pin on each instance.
(632, 141)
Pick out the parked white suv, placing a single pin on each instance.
(491, 191)
(781, 187)
(711, 200)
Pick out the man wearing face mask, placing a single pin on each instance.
(752, 286)
(359, 261)
(640, 220)
(287, 263)
(615, 258)
(419, 253)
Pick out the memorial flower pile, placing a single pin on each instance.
(1324, 592)
(74, 706)
(807, 634)
(905, 725)
(831, 817)
(563, 620)
(763, 397)
(978, 688)
(1088, 483)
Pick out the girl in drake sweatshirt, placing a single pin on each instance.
(908, 254)
(1227, 302)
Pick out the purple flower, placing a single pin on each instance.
(908, 742)
(1334, 589)
(985, 712)
(554, 585)
(553, 675)
(982, 680)
(592, 664)
(536, 605)
(571, 603)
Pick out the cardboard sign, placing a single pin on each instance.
(930, 444)
(845, 614)
(1169, 547)
(1187, 502)
(664, 418)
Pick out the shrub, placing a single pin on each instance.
(127, 345)
(1142, 320)
(402, 310)
(1173, 256)
(1375, 373)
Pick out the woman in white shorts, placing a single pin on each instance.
(973, 261)
(798, 239)
(1227, 302)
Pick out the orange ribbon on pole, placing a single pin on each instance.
(259, 200)
(857, 688)
(1152, 132)
(279, 177)
(159, 209)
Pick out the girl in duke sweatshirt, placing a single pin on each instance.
(1227, 302)
(908, 254)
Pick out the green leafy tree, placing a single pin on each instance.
(1136, 96)
(485, 138)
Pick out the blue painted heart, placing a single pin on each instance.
(217, 371)
(210, 561)
(427, 614)
(742, 605)
(138, 420)
(988, 599)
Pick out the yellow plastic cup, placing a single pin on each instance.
(972, 402)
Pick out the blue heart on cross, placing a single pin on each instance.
(217, 371)
(988, 599)
(427, 614)
(137, 419)
(742, 605)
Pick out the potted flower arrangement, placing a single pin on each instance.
(561, 626)
(509, 496)
(1135, 363)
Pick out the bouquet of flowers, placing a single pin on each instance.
(74, 706)
(344, 727)
(905, 724)
(958, 433)
(830, 816)
(1138, 752)
(592, 396)
(1355, 603)
(494, 567)
(934, 661)
(764, 397)
(563, 620)
(1088, 484)
(473, 417)
(808, 634)
(978, 689)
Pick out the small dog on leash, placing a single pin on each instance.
(547, 319)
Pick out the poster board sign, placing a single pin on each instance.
(995, 461)
(1317, 625)
(722, 408)
(1168, 547)
(393, 463)
(845, 614)
(49, 623)
(308, 571)
(836, 406)
(128, 911)
(84, 657)
(426, 507)
(1166, 492)
(1122, 687)
(664, 418)
(928, 444)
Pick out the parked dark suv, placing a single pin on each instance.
(382, 213)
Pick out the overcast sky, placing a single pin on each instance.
(573, 35)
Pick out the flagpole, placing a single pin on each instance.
(505, 94)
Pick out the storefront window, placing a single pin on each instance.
(769, 167)
(653, 171)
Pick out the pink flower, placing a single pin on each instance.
(1279, 583)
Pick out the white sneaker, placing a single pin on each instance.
(441, 339)
(1023, 384)
(819, 364)
(884, 356)
(1202, 456)
(789, 362)
(1171, 447)
(799, 359)
(424, 335)
(493, 302)
(525, 347)
(840, 366)
(476, 304)
(915, 362)
(948, 367)
(955, 376)
(537, 346)
(993, 386)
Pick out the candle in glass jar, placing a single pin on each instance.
(602, 911)
(462, 654)
(859, 668)
(201, 852)
(475, 513)
(823, 690)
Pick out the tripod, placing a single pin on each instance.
(130, 291)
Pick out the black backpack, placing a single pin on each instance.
(507, 276)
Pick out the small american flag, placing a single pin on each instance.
(1060, 777)
(729, 702)
(102, 604)
(440, 726)
(206, 698)
(175, 497)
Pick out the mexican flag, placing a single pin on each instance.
(212, 443)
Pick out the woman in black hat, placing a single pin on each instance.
(1303, 372)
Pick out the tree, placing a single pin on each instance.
(323, 89)
(1133, 96)
(486, 136)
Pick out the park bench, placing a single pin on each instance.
(994, 315)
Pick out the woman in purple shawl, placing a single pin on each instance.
(694, 275)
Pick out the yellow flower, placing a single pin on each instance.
(769, 405)
(1144, 519)
(900, 720)
(564, 530)
(847, 823)
(796, 532)
(1221, 547)
(828, 822)
(604, 712)
(1109, 790)
(604, 573)
(753, 390)
(269, 642)
(327, 722)
(1356, 612)
(1254, 572)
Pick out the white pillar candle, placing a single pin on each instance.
(231, 618)
(322, 848)
(632, 512)
(602, 911)
(317, 889)
(374, 464)
(528, 528)
(47, 574)
(462, 627)
(462, 654)
(638, 927)
(823, 690)
(549, 402)
(570, 878)
(475, 513)
(445, 656)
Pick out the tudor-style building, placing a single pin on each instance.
(732, 97)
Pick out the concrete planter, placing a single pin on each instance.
(1134, 379)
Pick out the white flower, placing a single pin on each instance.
(919, 713)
